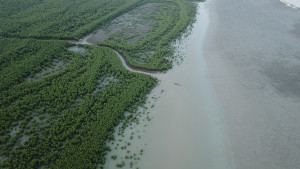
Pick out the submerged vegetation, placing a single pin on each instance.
(58, 107)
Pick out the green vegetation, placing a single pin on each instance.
(69, 19)
(114, 157)
(59, 120)
(57, 107)
(154, 52)
(58, 19)
(122, 164)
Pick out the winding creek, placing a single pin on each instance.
(119, 54)
(234, 101)
(187, 126)
(187, 129)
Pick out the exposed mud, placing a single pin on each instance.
(130, 27)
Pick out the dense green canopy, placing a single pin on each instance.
(62, 119)
(58, 107)
(58, 19)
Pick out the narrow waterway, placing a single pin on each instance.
(234, 101)
(187, 129)
(124, 62)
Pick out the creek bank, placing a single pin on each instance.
(119, 54)
(187, 129)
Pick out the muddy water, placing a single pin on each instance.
(253, 56)
(235, 100)
(187, 130)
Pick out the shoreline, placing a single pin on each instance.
(187, 126)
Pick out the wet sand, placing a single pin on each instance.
(253, 55)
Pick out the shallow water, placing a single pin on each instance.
(253, 56)
(187, 130)
(234, 102)
(78, 49)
